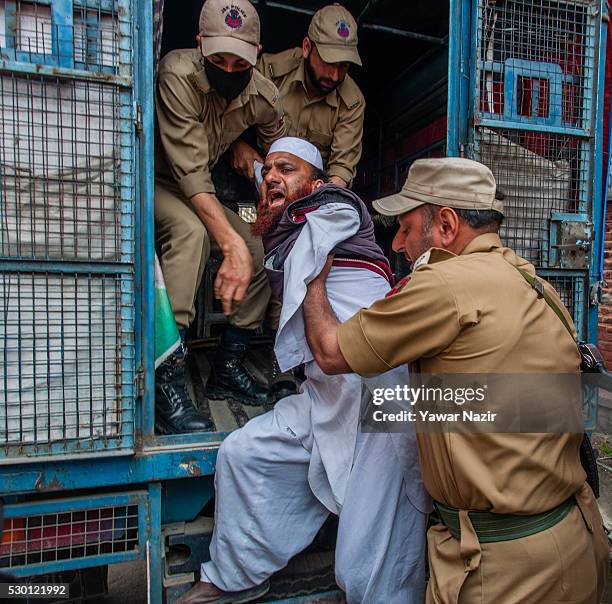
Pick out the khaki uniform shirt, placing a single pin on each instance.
(475, 313)
(333, 123)
(196, 125)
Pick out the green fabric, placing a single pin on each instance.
(167, 337)
(491, 528)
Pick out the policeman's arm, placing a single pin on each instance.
(236, 270)
(346, 145)
(185, 143)
(322, 325)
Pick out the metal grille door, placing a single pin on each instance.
(534, 108)
(67, 243)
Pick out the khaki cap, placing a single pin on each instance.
(453, 182)
(334, 31)
(229, 26)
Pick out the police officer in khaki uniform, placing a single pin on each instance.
(534, 533)
(322, 103)
(205, 99)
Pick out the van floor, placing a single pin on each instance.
(226, 413)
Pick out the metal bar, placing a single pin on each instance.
(62, 19)
(501, 123)
(18, 67)
(599, 196)
(74, 564)
(372, 26)
(53, 266)
(73, 504)
(458, 76)
(604, 200)
(154, 546)
(365, 9)
(402, 32)
(43, 477)
(146, 242)
(288, 7)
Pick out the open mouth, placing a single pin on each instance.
(275, 198)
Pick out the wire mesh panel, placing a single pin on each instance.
(91, 35)
(533, 107)
(62, 179)
(537, 61)
(572, 290)
(67, 210)
(69, 529)
(539, 173)
(61, 353)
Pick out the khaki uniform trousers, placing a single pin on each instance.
(184, 246)
(566, 563)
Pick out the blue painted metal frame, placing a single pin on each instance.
(60, 64)
(459, 77)
(145, 261)
(154, 546)
(515, 69)
(599, 198)
(74, 504)
(164, 463)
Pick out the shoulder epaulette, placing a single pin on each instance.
(350, 94)
(266, 88)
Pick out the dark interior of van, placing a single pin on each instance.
(404, 49)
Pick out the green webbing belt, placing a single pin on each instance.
(491, 528)
(542, 293)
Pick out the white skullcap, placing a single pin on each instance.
(300, 148)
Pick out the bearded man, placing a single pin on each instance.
(280, 476)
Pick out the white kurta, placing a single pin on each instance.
(279, 476)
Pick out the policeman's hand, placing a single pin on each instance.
(234, 274)
(322, 276)
(242, 156)
(336, 180)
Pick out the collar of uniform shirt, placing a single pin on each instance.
(331, 97)
(482, 243)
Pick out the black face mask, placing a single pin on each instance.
(228, 85)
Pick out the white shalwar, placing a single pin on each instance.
(278, 478)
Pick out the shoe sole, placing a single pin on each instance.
(247, 597)
(217, 393)
(164, 429)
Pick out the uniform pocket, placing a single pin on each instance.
(321, 140)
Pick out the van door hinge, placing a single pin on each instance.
(138, 118)
(140, 383)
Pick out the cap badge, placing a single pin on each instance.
(233, 18)
(343, 29)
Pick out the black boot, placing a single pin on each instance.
(174, 411)
(282, 384)
(229, 375)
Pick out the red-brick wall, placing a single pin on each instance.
(605, 308)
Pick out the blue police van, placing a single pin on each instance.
(85, 480)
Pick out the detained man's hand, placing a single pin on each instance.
(234, 275)
(242, 156)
